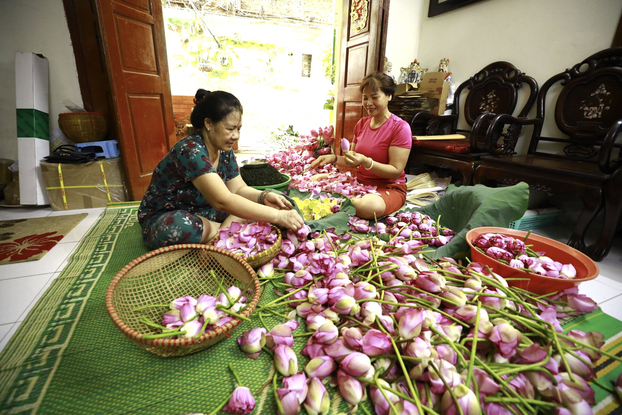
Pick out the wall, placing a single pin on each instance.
(541, 38)
(403, 35)
(36, 26)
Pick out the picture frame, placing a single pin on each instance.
(442, 6)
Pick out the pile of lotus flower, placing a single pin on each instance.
(296, 161)
(410, 230)
(189, 317)
(515, 253)
(246, 239)
(415, 335)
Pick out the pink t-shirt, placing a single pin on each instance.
(375, 143)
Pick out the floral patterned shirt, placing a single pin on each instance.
(171, 186)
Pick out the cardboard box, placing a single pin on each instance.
(86, 185)
(404, 88)
(434, 88)
(33, 127)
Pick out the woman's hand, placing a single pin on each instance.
(322, 160)
(289, 219)
(357, 159)
(277, 201)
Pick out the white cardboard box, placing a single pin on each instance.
(33, 131)
(31, 151)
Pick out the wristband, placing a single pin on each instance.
(371, 165)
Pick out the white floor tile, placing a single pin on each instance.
(85, 224)
(24, 212)
(49, 264)
(598, 291)
(17, 294)
(12, 328)
(37, 296)
(612, 307)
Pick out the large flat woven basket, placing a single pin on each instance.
(165, 274)
(262, 257)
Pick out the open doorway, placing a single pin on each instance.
(277, 57)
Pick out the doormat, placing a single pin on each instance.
(24, 240)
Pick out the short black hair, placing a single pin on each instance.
(379, 81)
(214, 105)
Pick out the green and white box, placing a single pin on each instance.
(33, 126)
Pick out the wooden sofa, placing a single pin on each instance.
(491, 91)
(585, 102)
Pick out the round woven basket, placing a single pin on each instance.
(165, 274)
(262, 257)
(83, 127)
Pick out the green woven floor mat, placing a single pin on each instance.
(68, 357)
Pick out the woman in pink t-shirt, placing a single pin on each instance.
(380, 150)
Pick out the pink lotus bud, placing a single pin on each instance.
(303, 309)
(430, 281)
(313, 350)
(593, 338)
(411, 323)
(446, 353)
(405, 273)
(376, 343)
(381, 405)
(293, 393)
(506, 339)
(351, 389)
(234, 292)
(171, 317)
(266, 270)
(318, 399)
(452, 332)
(315, 321)
(339, 280)
(187, 312)
(499, 253)
(578, 367)
(454, 296)
(318, 295)
(281, 334)
(449, 374)
(285, 360)
(468, 314)
(579, 385)
(205, 301)
(521, 384)
(241, 402)
(515, 263)
(482, 241)
(178, 303)
(404, 407)
(338, 350)
(574, 403)
(327, 333)
(353, 337)
(421, 349)
(331, 315)
(345, 144)
(346, 306)
(582, 303)
(515, 246)
(252, 342)
(469, 403)
(569, 271)
(320, 367)
(355, 364)
(473, 284)
(485, 384)
(192, 328)
(364, 290)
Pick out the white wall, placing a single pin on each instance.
(403, 33)
(38, 26)
(541, 38)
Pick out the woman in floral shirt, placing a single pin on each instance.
(197, 188)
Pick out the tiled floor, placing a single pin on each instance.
(22, 284)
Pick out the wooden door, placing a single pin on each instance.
(133, 43)
(363, 41)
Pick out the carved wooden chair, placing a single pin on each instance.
(587, 163)
(491, 91)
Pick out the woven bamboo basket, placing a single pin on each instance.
(165, 274)
(262, 257)
(83, 127)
